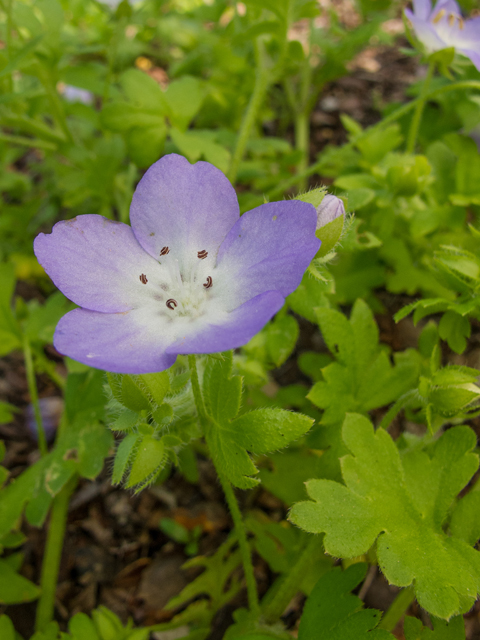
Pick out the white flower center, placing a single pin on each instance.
(181, 293)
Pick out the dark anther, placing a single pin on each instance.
(143, 279)
(164, 251)
(171, 303)
(202, 254)
(208, 283)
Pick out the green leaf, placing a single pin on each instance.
(125, 421)
(330, 235)
(282, 336)
(81, 627)
(231, 458)
(145, 144)
(149, 458)
(84, 395)
(123, 456)
(184, 97)
(222, 391)
(308, 295)
(454, 629)
(465, 521)
(379, 485)
(455, 329)
(157, 384)
(14, 588)
(333, 613)
(132, 396)
(7, 630)
(216, 581)
(314, 196)
(265, 430)
(195, 146)
(143, 91)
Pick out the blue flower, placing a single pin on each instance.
(443, 27)
(189, 276)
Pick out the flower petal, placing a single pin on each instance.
(96, 262)
(239, 327)
(268, 249)
(126, 342)
(426, 33)
(473, 55)
(185, 208)
(422, 8)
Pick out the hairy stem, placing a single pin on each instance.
(290, 584)
(262, 83)
(52, 556)
(397, 609)
(230, 497)
(32, 390)
(417, 116)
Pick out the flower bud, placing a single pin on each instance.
(329, 210)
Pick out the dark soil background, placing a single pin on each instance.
(115, 553)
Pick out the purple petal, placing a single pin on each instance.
(185, 208)
(473, 55)
(422, 8)
(426, 33)
(268, 249)
(96, 262)
(128, 342)
(450, 6)
(239, 327)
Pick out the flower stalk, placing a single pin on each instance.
(53, 554)
(32, 390)
(230, 497)
(420, 106)
(397, 609)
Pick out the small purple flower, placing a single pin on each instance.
(74, 94)
(329, 210)
(443, 27)
(189, 276)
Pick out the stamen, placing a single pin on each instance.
(171, 303)
(451, 19)
(208, 283)
(439, 16)
(461, 23)
(164, 251)
(202, 254)
(143, 279)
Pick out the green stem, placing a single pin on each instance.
(197, 392)
(290, 584)
(232, 503)
(28, 142)
(417, 116)
(52, 556)
(242, 543)
(302, 143)
(262, 82)
(32, 389)
(397, 609)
